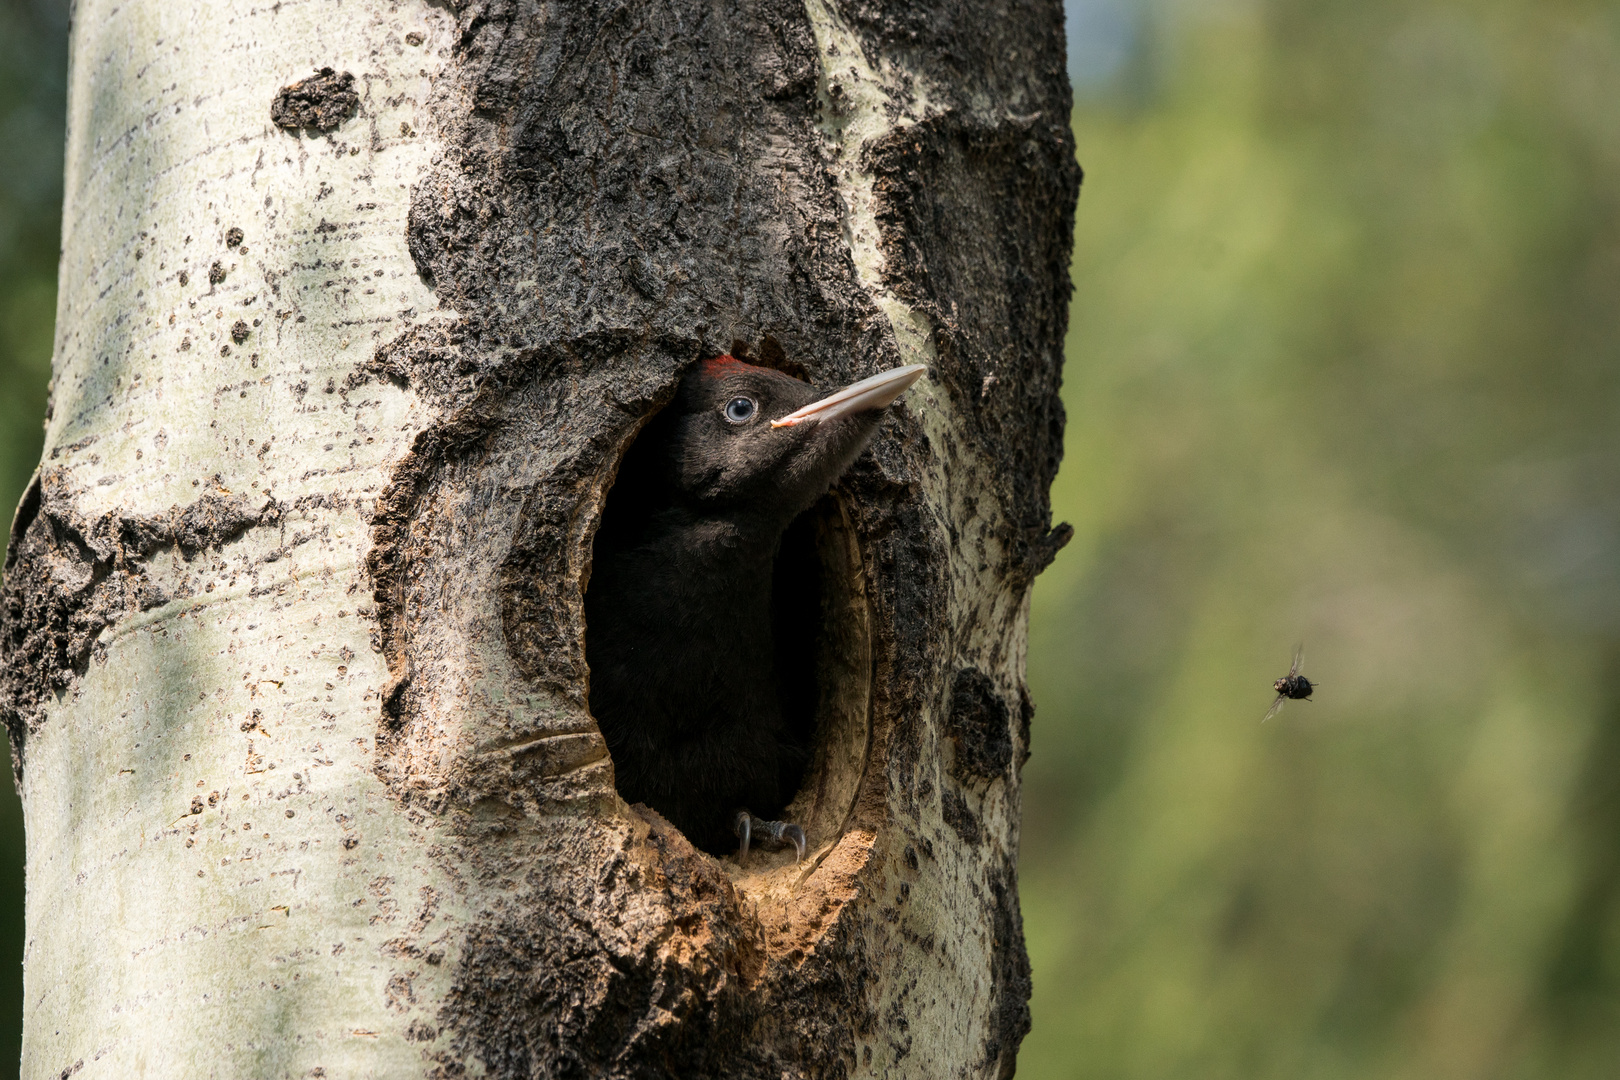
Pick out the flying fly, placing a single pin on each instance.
(1291, 687)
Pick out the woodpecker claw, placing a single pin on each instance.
(778, 833)
(795, 835)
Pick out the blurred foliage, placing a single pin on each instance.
(33, 69)
(1344, 367)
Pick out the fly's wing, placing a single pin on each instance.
(1275, 706)
(1299, 660)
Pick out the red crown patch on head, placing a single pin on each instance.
(719, 367)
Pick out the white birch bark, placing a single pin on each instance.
(292, 924)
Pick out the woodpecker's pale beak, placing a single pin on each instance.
(864, 396)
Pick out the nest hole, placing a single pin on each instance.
(825, 666)
(823, 673)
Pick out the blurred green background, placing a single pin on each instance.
(33, 68)
(1344, 368)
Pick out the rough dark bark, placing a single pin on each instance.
(626, 189)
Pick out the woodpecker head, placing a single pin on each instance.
(742, 437)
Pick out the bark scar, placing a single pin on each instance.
(320, 102)
(69, 577)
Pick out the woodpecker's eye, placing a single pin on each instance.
(740, 410)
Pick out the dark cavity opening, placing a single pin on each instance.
(819, 656)
(698, 740)
(796, 625)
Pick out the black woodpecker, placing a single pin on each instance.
(678, 610)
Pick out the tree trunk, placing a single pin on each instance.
(293, 636)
